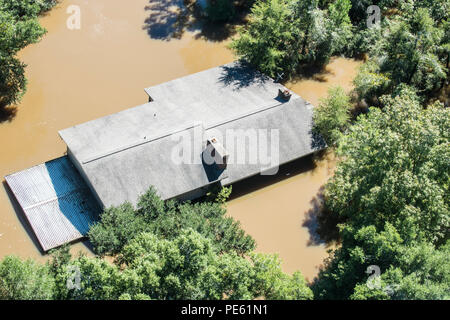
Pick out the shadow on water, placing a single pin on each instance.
(7, 113)
(22, 218)
(169, 19)
(321, 223)
(312, 72)
(285, 171)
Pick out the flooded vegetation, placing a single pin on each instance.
(376, 199)
(280, 212)
(79, 75)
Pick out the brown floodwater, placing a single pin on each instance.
(79, 75)
(280, 215)
(122, 47)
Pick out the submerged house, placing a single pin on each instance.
(218, 126)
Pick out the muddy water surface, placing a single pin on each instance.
(79, 75)
(121, 48)
(281, 215)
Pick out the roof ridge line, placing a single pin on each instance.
(184, 128)
(136, 144)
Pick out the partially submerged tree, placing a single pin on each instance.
(283, 34)
(391, 191)
(268, 40)
(19, 28)
(413, 50)
(25, 280)
(166, 219)
(407, 271)
(187, 266)
(395, 168)
(332, 116)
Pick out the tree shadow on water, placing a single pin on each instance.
(7, 113)
(321, 223)
(312, 72)
(169, 19)
(216, 31)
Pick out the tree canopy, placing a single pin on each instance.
(391, 191)
(19, 27)
(282, 35)
(167, 219)
(162, 250)
(332, 117)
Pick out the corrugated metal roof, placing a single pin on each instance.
(56, 201)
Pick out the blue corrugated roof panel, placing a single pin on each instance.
(56, 201)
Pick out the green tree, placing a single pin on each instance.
(391, 191)
(188, 267)
(167, 219)
(370, 83)
(25, 280)
(422, 272)
(395, 168)
(322, 32)
(332, 117)
(341, 28)
(183, 268)
(282, 35)
(268, 40)
(413, 50)
(19, 27)
(89, 279)
(117, 226)
(415, 270)
(273, 284)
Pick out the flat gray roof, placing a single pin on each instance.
(122, 154)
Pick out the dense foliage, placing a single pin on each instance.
(162, 250)
(392, 190)
(18, 28)
(284, 34)
(409, 270)
(410, 48)
(333, 115)
(410, 45)
(22, 280)
(167, 219)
